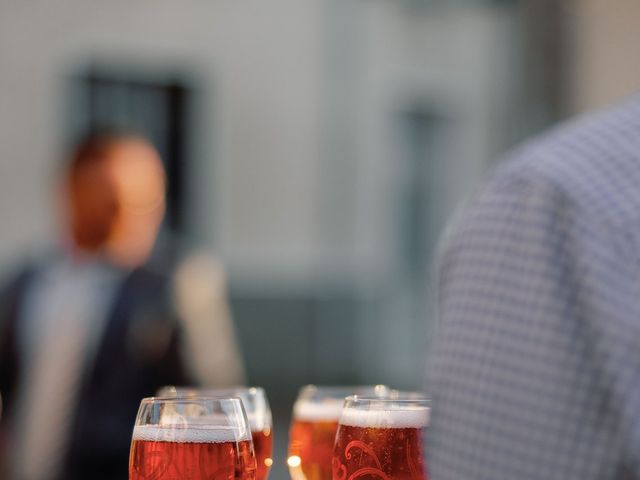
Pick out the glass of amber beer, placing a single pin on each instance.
(381, 438)
(314, 425)
(196, 438)
(254, 400)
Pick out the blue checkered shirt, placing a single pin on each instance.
(535, 367)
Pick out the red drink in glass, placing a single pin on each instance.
(159, 453)
(263, 445)
(381, 444)
(256, 405)
(314, 425)
(311, 439)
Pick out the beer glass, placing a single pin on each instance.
(381, 438)
(314, 425)
(256, 405)
(195, 438)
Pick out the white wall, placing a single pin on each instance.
(461, 62)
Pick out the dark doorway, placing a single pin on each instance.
(157, 105)
(424, 137)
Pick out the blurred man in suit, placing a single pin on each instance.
(88, 331)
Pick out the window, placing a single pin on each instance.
(156, 105)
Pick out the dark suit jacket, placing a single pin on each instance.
(137, 354)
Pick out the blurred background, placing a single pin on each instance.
(317, 147)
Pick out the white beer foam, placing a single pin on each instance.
(327, 411)
(199, 434)
(417, 417)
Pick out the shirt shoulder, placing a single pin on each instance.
(592, 162)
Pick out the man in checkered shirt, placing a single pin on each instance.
(535, 370)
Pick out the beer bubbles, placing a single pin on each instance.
(256, 405)
(314, 425)
(196, 438)
(382, 438)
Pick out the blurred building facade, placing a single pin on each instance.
(323, 145)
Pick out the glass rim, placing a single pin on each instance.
(314, 386)
(173, 418)
(407, 394)
(365, 399)
(225, 391)
(233, 388)
(337, 393)
(254, 401)
(191, 399)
